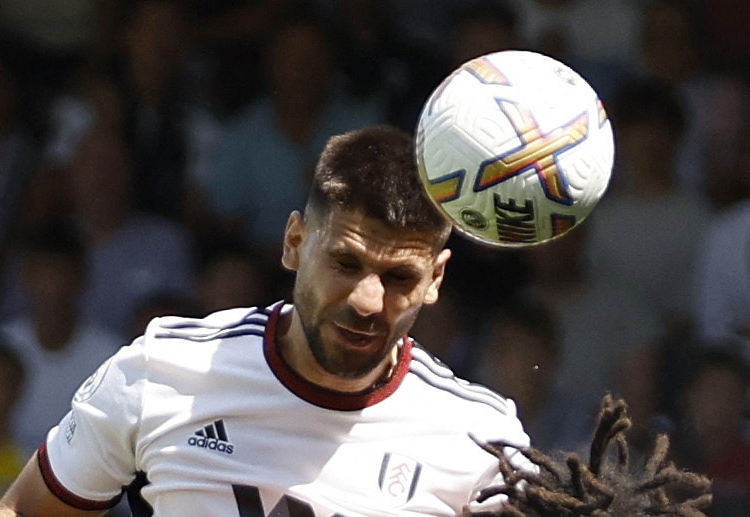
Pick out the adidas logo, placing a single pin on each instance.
(214, 437)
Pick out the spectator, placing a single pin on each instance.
(644, 235)
(598, 325)
(721, 301)
(93, 100)
(130, 254)
(232, 275)
(600, 482)
(598, 38)
(711, 428)
(167, 126)
(58, 345)
(263, 160)
(520, 355)
(376, 62)
(618, 281)
(17, 161)
(17, 153)
(229, 35)
(479, 273)
(715, 104)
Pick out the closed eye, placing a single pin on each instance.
(347, 263)
(348, 266)
(402, 276)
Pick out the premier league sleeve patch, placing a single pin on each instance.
(90, 385)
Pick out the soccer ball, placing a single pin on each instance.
(515, 148)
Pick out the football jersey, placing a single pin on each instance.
(220, 425)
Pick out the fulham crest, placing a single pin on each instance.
(398, 478)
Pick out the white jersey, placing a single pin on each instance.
(221, 426)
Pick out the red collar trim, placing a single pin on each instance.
(322, 397)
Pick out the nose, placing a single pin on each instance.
(367, 296)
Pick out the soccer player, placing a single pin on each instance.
(324, 407)
(606, 486)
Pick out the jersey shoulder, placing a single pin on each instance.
(174, 345)
(439, 378)
(224, 324)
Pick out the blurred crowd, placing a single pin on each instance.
(151, 150)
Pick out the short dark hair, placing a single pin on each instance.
(566, 486)
(373, 170)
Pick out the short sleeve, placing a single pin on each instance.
(511, 431)
(89, 456)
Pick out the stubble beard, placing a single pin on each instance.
(339, 362)
(349, 364)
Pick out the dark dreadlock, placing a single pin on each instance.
(566, 487)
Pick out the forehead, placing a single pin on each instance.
(352, 232)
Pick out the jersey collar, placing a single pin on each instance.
(323, 397)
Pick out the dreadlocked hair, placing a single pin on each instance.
(565, 486)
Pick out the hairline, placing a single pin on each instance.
(317, 211)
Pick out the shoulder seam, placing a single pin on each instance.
(201, 330)
(441, 377)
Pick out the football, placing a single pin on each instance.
(515, 148)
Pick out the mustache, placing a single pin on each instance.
(348, 318)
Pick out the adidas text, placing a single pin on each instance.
(211, 443)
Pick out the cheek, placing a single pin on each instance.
(405, 320)
(405, 305)
(317, 291)
(305, 298)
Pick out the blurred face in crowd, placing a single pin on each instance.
(101, 180)
(300, 67)
(53, 280)
(669, 47)
(156, 45)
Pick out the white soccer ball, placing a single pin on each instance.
(515, 148)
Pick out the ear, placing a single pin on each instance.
(438, 272)
(293, 237)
